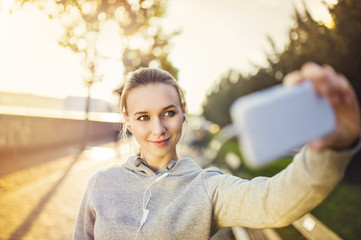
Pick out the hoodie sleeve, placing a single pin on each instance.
(84, 226)
(278, 201)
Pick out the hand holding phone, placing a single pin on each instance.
(273, 122)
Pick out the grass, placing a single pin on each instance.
(341, 210)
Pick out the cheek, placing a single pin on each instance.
(139, 130)
(176, 125)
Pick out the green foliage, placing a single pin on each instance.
(309, 40)
(230, 87)
(268, 171)
(341, 211)
(347, 32)
(338, 46)
(230, 146)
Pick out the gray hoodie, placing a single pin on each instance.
(183, 201)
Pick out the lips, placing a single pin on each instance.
(160, 142)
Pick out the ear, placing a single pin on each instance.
(184, 108)
(127, 123)
(129, 127)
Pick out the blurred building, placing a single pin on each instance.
(73, 103)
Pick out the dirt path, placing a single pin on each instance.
(41, 202)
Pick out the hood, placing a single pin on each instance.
(175, 168)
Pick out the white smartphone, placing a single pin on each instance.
(272, 123)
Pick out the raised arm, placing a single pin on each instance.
(280, 200)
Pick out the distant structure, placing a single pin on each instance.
(27, 100)
(73, 103)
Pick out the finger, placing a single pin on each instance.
(326, 81)
(348, 95)
(313, 70)
(329, 68)
(318, 76)
(336, 87)
(334, 81)
(292, 78)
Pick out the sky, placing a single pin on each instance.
(215, 36)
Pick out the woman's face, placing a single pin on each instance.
(155, 118)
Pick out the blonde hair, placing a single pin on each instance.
(143, 77)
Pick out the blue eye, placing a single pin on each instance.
(143, 118)
(169, 114)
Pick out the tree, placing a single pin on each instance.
(230, 87)
(337, 45)
(309, 40)
(347, 32)
(137, 40)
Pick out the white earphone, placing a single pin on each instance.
(185, 117)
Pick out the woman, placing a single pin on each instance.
(155, 195)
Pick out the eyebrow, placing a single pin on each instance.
(165, 108)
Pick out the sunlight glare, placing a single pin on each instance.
(157, 51)
(134, 5)
(80, 29)
(109, 42)
(82, 43)
(119, 14)
(330, 24)
(88, 7)
(100, 153)
(102, 17)
(136, 41)
(147, 4)
(154, 63)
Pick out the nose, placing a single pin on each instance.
(158, 127)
